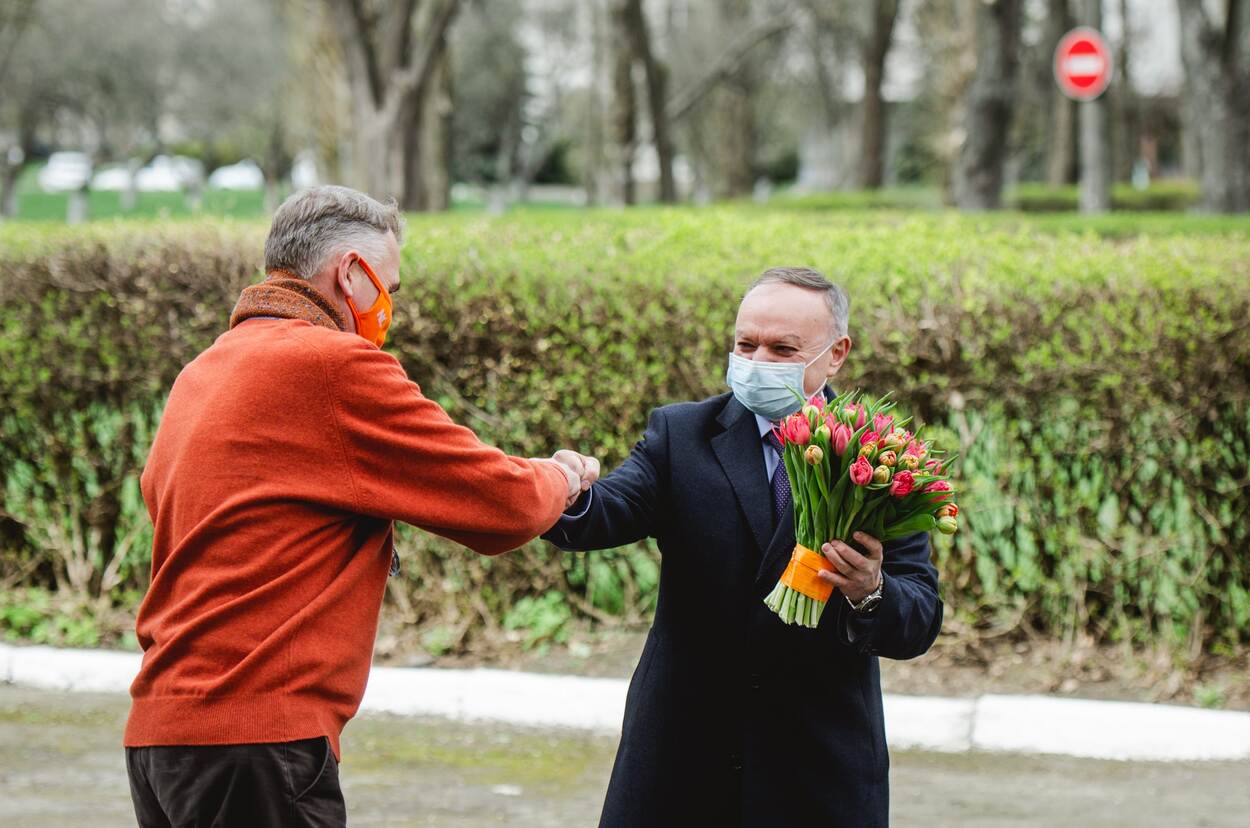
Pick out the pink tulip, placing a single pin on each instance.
(939, 486)
(882, 424)
(858, 412)
(779, 431)
(903, 484)
(841, 437)
(869, 437)
(817, 400)
(915, 448)
(861, 472)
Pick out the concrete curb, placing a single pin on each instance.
(1009, 724)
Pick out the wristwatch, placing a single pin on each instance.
(869, 602)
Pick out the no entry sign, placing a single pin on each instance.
(1083, 64)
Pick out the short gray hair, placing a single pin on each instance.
(835, 297)
(316, 223)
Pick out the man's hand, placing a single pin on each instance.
(856, 575)
(580, 468)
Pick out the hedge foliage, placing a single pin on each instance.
(1098, 388)
(1179, 194)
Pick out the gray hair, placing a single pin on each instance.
(838, 302)
(319, 222)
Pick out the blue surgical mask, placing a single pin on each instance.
(769, 389)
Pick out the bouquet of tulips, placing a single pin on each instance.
(853, 467)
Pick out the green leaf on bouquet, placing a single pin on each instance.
(916, 523)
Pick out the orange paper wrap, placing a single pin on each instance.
(800, 574)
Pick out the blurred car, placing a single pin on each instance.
(190, 170)
(65, 171)
(244, 175)
(163, 174)
(160, 176)
(113, 178)
(304, 171)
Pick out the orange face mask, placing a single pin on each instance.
(373, 322)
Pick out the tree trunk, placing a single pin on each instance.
(394, 55)
(622, 111)
(1060, 132)
(1126, 128)
(1217, 69)
(738, 114)
(978, 182)
(8, 191)
(427, 148)
(594, 149)
(872, 133)
(657, 97)
(1095, 195)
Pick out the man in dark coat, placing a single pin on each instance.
(732, 717)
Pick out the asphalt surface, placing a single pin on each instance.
(61, 765)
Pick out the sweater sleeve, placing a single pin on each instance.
(408, 461)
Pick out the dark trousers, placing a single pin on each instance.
(237, 786)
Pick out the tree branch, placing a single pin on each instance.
(1230, 48)
(13, 24)
(356, 34)
(411, 79)
(400, 41)
(729, 62)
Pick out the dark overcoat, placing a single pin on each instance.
(732, 717)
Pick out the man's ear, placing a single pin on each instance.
(837, 355)
(343, 272)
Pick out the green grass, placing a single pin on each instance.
(52, 207)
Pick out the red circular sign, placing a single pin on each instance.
(1083, 65)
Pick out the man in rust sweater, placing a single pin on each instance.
(286, 451)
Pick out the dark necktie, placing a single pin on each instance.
(780, 481)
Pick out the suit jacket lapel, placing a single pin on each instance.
(740, 453)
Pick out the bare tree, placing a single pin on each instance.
(397, 67)
(656, 74)
(978, 180)
(15, 18)
(18, 112)
(1060, 132)
(872, 57)
(1216, 55)
(622, 108)
(1095, 186)
(1126, 114)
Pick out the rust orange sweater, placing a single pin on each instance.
(285, 452)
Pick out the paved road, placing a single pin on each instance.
(60, 765)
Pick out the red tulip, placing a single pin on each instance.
(869, 437)
(939, 486)
(861, 472)
(800, 430)
(903, 484)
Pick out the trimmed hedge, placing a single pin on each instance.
(1099, 389)
(1179, 194)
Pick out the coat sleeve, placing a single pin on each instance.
(625, 506)
(406, 460)
(906, 622)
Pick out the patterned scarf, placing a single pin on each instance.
(284, 296)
